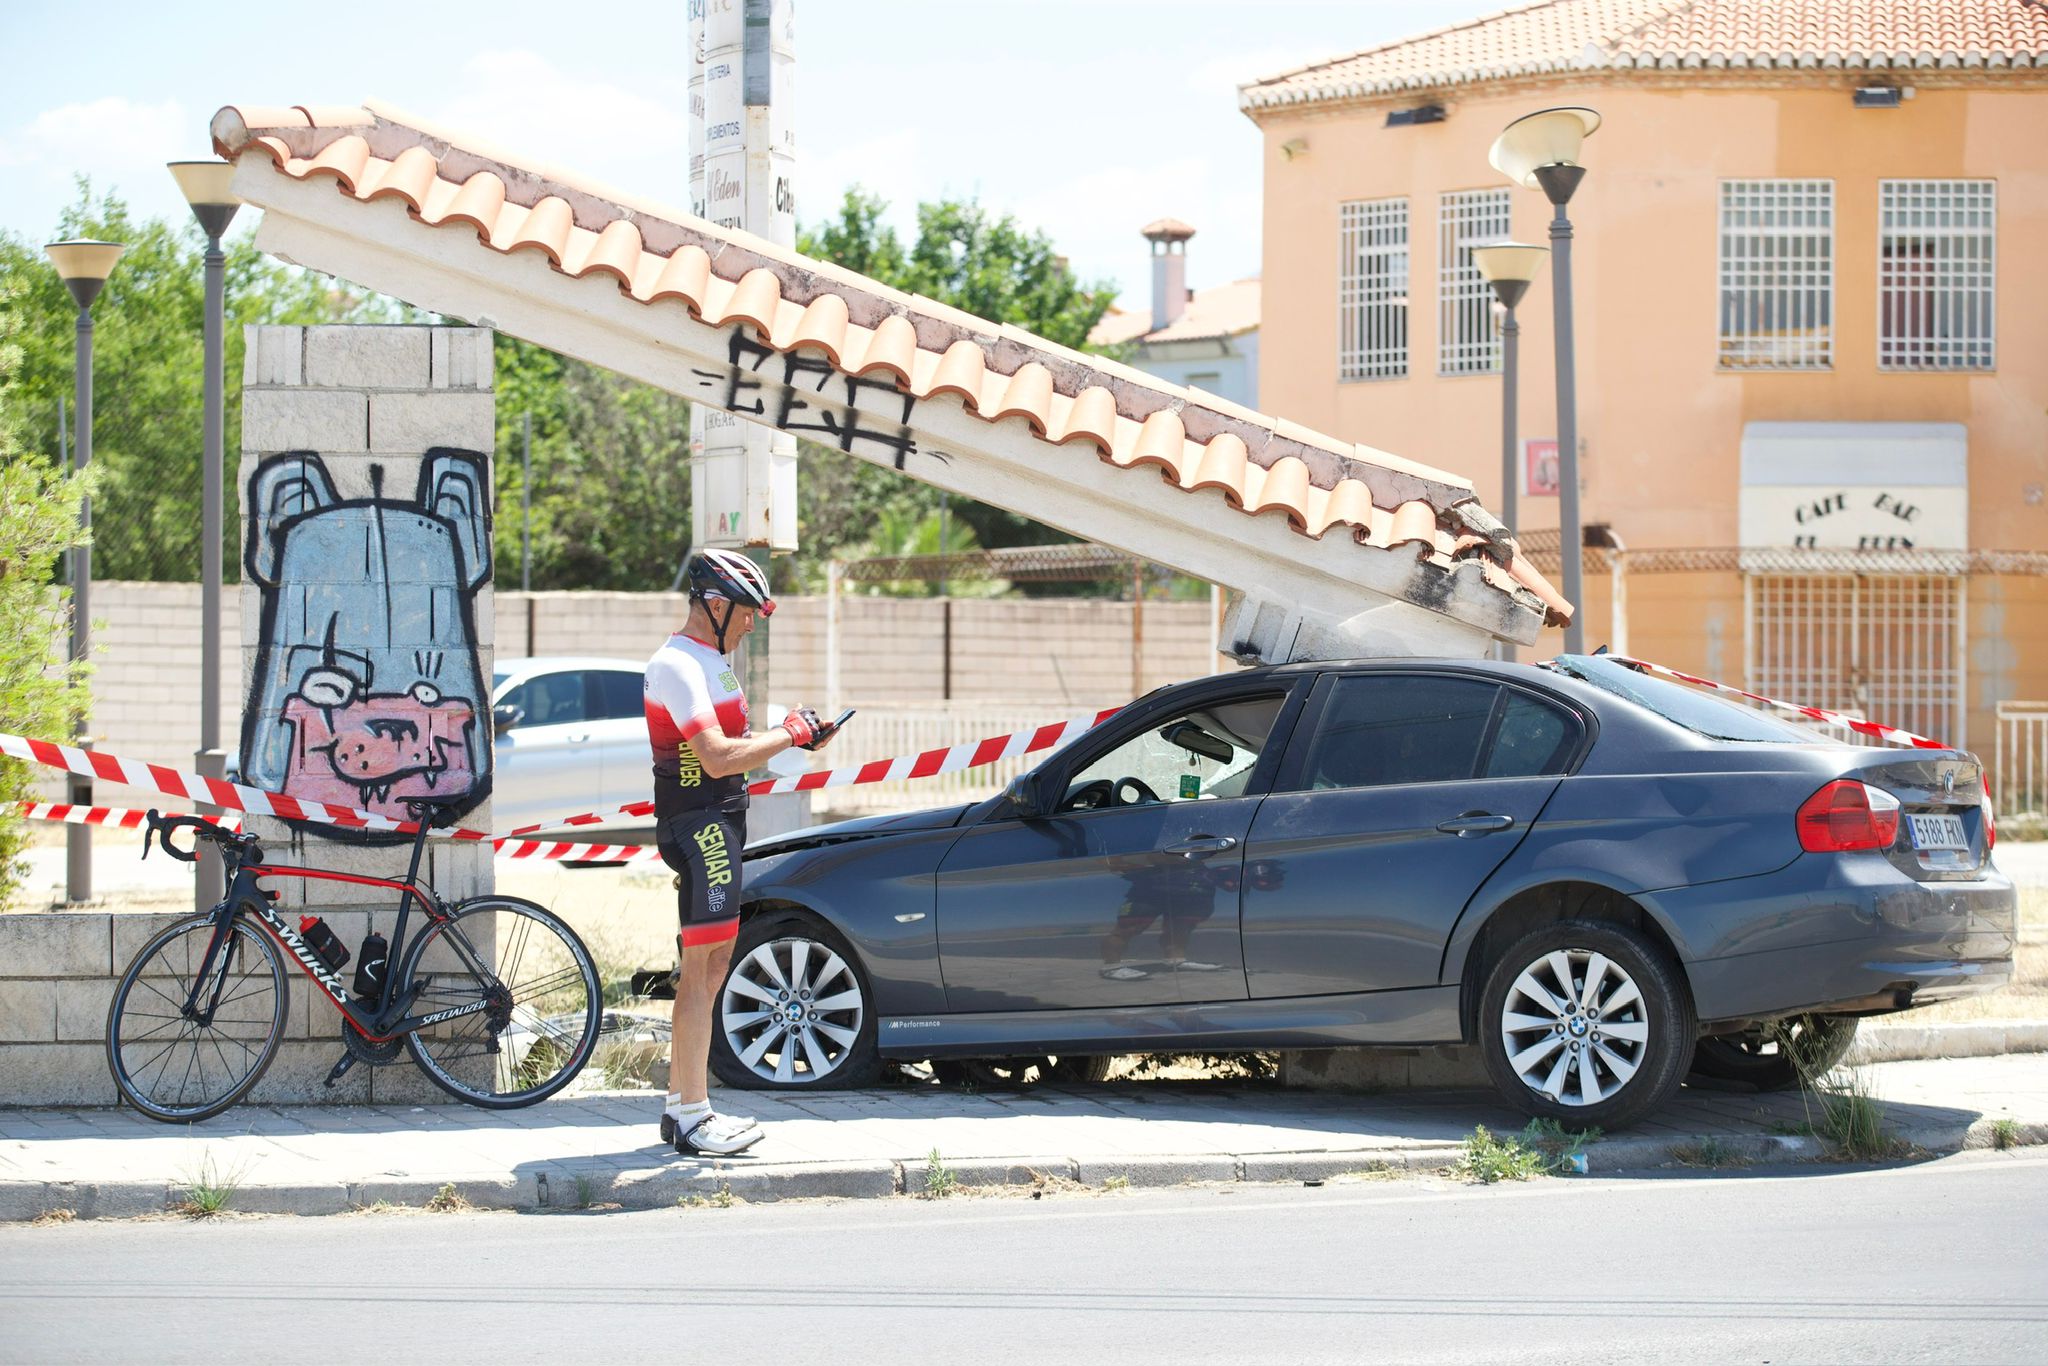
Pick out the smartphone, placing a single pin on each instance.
(844, 717)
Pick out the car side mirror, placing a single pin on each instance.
(505, 716)
(1020, 799)
(1195, 740)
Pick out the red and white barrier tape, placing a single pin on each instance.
(235, 797)
(1891, 735)
(120, 817)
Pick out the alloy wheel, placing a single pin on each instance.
(1575, 1027)
(791, 1010)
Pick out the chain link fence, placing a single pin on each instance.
(146, 518)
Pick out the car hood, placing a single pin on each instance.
(859, 828)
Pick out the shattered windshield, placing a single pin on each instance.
(1696, 711)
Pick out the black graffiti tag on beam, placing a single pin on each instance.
(742, 389)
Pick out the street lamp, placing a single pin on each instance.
(1508, 267)
(83, 264)
(1541, 151)
(205, 185)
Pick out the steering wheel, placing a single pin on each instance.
(1137, 785)
(1093, 795)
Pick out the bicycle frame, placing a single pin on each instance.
(246, 898)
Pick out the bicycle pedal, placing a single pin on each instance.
(348, 1060)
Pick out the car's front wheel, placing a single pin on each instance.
(795, 1012)
(1776, 1056)
(1586, 1023)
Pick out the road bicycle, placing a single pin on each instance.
(495, 998)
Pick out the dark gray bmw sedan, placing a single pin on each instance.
(1602, 879)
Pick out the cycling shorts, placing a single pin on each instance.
(703, 846)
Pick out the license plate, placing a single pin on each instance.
(1938, 832)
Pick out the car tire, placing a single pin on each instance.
(1775, 1056)
(1633, 1029)
(801, 964)
(1005, 1073)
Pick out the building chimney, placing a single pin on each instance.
(1169, 239)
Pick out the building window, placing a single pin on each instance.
(1936, 265)
(1373, 290)
(1465, 340)
(1777, 274)
(1884, 647)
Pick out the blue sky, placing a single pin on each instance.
(1087, 118)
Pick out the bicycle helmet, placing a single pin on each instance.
(729, 577)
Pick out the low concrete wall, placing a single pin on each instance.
(58, 970)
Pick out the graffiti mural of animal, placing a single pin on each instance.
(367, 689)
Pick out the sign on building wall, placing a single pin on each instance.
(1539, 467)
(1877, 486)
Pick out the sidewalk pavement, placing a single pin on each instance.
(603, 1150)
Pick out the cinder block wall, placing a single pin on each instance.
(58, 971)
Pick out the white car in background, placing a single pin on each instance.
(572, 737)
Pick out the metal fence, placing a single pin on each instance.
(886, 731)
(2019, 772)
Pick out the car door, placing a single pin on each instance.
(546, 765)
(1125, 891)
(1401, 792)
(616, 699)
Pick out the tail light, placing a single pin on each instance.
(1847, 815)
(1990, 824)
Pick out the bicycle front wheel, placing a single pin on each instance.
(528, 997)
(177, 1065)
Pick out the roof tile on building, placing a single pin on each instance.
(1219, 311)
(656, 255)
(1553, 36)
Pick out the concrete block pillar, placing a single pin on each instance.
(367, 613)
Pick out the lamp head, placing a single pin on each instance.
(1509, 267)
(1548, 137)
(84, 265)
(205, 187)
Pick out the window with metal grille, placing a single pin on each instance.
(1885, 647)
(1777, 274)
(1372, 290)
(1465, 340)
(1936, 267)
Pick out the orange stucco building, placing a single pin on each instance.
(1812, 323)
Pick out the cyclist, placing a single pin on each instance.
(697, 724)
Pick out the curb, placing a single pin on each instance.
(567, 1190)
(1972, 1039)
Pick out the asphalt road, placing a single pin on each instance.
(1941, 1261)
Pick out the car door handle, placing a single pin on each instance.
(1475, 823)
(577, 737)
(1202, 844)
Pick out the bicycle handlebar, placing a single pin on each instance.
(161, 828)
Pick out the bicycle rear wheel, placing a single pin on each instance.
(530, 999)
(177, 1067)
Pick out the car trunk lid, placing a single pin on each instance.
(1944, 826)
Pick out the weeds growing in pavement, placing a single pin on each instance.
(2005, 1133)
(448, 1200)
(209, 1190)
(586, 1190)
(722, 1198)
(1488, 1159)
(1119, 1182)
(1709, 1152)
(940, 1180)
(1556, 1144)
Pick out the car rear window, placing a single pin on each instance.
(1696, 711)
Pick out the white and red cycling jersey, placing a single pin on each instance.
(691, 687)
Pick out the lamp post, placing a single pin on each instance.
(1540, 151)
(1508, 267)
(205, 185)
(83, 265)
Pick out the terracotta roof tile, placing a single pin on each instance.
(663, 257)
(1594, 35)
(1218, 311)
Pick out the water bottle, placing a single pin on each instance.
(371, 960)
(324, 941)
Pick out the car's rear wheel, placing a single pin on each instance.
(795, 1012)
(1029, 1071)
(1775, 1056)
(1587, 1023)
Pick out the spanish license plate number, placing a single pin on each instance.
(1938, 832)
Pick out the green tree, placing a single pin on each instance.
(985, 264)
(147, 355)
(38, 522)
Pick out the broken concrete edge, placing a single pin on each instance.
(568, 1191)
